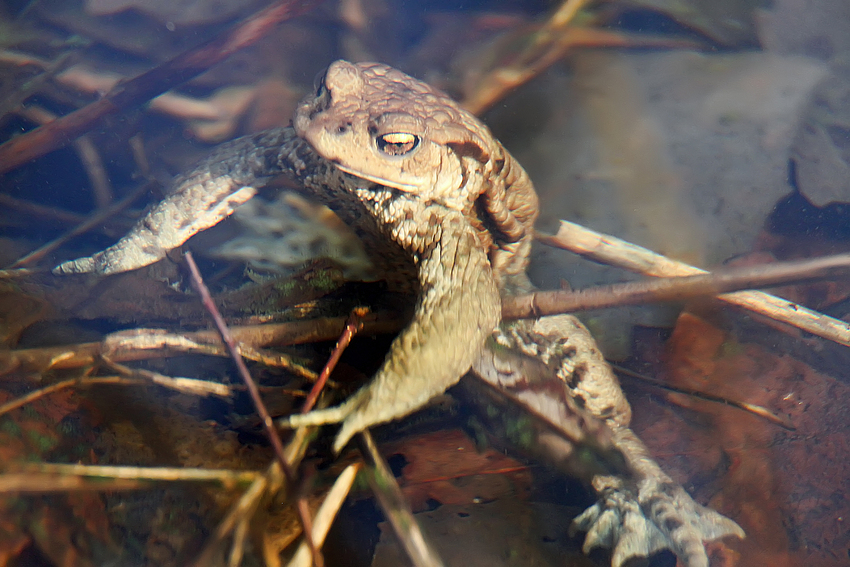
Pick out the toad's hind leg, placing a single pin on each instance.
(646, 512)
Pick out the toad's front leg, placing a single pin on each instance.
(202, 198)
(457, 310)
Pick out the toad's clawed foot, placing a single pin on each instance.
(662, 516)
(316, 417)
(325, 416)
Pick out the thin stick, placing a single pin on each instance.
(93, 164)
(131, 376)
(326, 514)
(142, 88)
(352, 326)
(269, 483)
(86, 150)
(93, 221)
(34, 483)
(54, 214)
(118, 344)
(237, 549)
(42, 473)
(191, 386)
(142, 344)
(549, 44)
(268, 424)
(277, 359)
(755, 409)
(527, 63)
(395, 507)
(50, 69)
(611, 250)
(676, 288)
(244, 507)
(64, 384)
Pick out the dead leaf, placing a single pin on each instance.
(445, 466)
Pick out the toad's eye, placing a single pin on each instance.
(397, 143)
(319, 84)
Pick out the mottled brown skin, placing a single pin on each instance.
(442, 205)
(433, 162)
(455, 163)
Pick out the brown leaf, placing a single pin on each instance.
(780, 486)
(445, 466)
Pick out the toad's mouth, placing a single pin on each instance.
(406, 187)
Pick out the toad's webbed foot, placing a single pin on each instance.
(644, 511)
(639, 521)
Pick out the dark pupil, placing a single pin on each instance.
(319, 83)
(388, 144)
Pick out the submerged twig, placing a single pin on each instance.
(130, 376)
(50, 68)
(277, 360)
(543, 49)
(676, 288)
(142, 344)
(268, 424)
(87, 152)
(395, 507)
(754, 409)
(244, 507)
(326, 514)
(94, 220)
(237, 549)
(48, 213)
(352, 326)
(138, 90)
(54, 477)
(96, 171)
(550, 44)
(269, 483)
(133, 341)
(64, 384)
(191, 386)
(611, 250)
